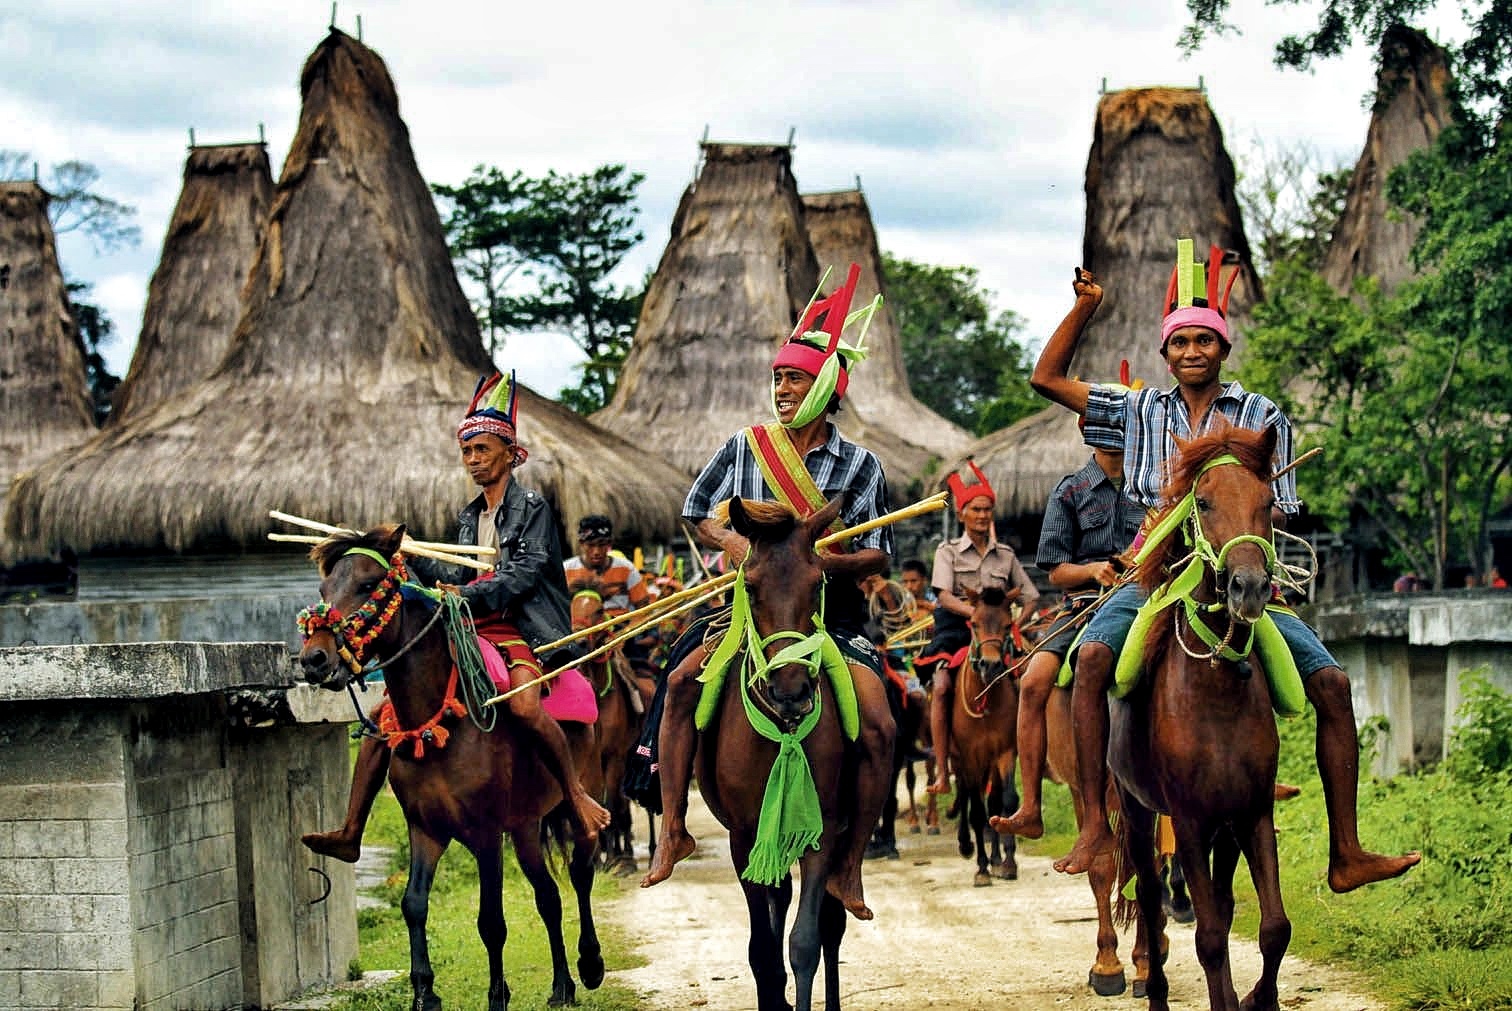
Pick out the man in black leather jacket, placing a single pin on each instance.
(521, 605)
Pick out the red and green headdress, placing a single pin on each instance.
(1193, 297)
(818, 350)
(495, 404)
(961, 492)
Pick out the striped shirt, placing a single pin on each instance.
(839, 468)
(620, 586)
(1144, 424)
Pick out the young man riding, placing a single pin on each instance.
(519, 605)
(967, 564)
(1194, 342)
(597, 566)
(803, 461)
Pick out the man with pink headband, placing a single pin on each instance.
(519, 605)
(1194, 340)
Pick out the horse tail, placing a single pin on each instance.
(558, 834)
(1126, 906)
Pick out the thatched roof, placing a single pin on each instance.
(736, 273)
(44, 398)
(881, 412)
(194, 299)
(339, 396)
(1158, 171)
(1412, 108)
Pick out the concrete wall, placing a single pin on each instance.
(266, 617)
(149, 854)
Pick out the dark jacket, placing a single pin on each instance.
(527, 586)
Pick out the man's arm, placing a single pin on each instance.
(716, 535)
(855, 564)
(1050, 379)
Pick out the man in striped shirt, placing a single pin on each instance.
(1144, 425)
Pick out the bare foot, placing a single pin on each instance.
(1347, 874)
(591, 815)
(1285, 791)
(1095, 839)
(939, 786)
(333, 844)
(847, 888)
(1025, 822)
(670, 848)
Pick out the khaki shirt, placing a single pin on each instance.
(959, 567)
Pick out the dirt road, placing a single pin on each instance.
(937, 942)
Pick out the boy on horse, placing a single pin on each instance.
(1194, 341)
(968, 564)
(598, 567)
(519, 605)
(803, 461)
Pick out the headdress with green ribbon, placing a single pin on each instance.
(818, 350)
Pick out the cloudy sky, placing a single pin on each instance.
(968, 123)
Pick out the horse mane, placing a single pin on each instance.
(993, 596)
(331, 550)
(1252, 448)
(773, 521)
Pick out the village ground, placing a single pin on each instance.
(937, 941)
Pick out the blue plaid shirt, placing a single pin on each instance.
(1143, 424)
(1086, 520)
(838, 467)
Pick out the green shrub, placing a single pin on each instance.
(1481, 745)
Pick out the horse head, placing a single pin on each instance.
(991, 624)
(784, 584)
(359, 598)
(1226, 477)
(587, 611)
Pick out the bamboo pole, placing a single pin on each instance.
(409, 548)
(648, 615)
(910, 630)
(920, 508)
(429, 549)
(1297, 462)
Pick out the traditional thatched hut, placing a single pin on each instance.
(882, 413)
(44, 400)
(1412, 107)
(736, 273)
(1157, 171)
(194, 299)
(354, 357)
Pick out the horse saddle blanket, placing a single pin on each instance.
(952, 660)
(572, 699)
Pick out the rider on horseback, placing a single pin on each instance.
(803, 461)
(969, 563)
(521, 604)
(1195, 343)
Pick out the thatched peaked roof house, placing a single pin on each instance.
(1412, 108)
(1157, 171)
(340, 393)
(194, 298)
(44, 400)
(736, 274)
(881, 412)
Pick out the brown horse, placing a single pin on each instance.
(453, 779)
(784, 585)
(983, 737)
(1196, 738)
(621, 711)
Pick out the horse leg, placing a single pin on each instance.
(590, 964)
(1005, 798)
(1139, 842)
(1193, 843)
(548, 903)
(974, 822)
(1106, 977)
(804, 941)
(910, 781)
(1178, 904)
(831, 932)
(874, 759)
(1275, 928)
(767, 910)
(491, 926)
(425, 851)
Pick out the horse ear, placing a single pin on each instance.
(821, 520)
(740, 520)
(390, 538)
(1268, 445)
(971, 596)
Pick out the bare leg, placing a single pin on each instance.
(939, 729)
(675, 745)
(873, 781)
(1034, 693)
(589, 814)
(368, 775)
(1089, 716)
(1338, 751)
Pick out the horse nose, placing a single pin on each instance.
(1248, 593)
(316, 664)
(792, 705)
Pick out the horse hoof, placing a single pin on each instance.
(966, 849)
(425, 1000)
(1180, 912)
(1008, 870)
(591, 971)
(981, 879)
(932, 830)
(913, 829)
(1109, 985)
(1140, 988)
(563, 996)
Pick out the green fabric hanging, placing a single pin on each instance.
(791, 822)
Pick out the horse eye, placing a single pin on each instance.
(1203, 504)
(367, 586)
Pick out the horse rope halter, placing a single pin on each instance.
(974, 654)
(1202, 556)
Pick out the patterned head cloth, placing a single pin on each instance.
(495, 403)
(595, 528)
(818, 350)
(1192, 297)
(962, 492)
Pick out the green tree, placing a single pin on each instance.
(538, 253)
(1408, 391)
(964, 361)
(1291, 198)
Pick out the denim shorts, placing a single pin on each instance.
(1110, 626)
